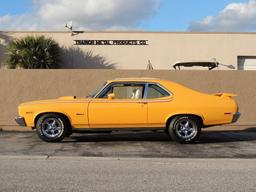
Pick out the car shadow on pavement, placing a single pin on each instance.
(248, 134)
(120, 136)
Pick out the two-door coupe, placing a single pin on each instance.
(134, 104)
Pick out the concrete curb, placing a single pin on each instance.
(23, 157)
(154, 159)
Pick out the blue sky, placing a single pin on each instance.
(176, 15)
(14, 7)
(148, 15)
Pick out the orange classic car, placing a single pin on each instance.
(132, 103)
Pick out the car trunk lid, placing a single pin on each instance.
(231, 95)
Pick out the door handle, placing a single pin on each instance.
(79, 114)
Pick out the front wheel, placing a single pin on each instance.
(184, 129)
(52, 127)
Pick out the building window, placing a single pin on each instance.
(246, 63)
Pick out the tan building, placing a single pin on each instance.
(133, 50)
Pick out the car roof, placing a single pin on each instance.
(169, 85)
(139, 79)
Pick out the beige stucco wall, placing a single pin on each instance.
(18, 86)
(163, 49)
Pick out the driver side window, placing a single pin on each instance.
(124, 91)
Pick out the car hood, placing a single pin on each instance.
(66, 99)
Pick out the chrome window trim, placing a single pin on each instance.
(162, 87)
(132, 82)
(146, 84)
(96, 95)
(146, 91)
(107, 85)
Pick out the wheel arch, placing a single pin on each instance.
(37, 116)
(198, 117)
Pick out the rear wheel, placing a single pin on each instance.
(184, 129)
(52, 127)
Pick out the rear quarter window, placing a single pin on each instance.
(155, 91)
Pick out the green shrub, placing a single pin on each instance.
(33, 53)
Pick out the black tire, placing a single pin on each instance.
(49, 131)
(184, 129)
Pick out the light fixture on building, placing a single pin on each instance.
(212, 64)
(150, 66)
(69, 25)
(228, 66)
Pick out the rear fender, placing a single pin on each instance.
(185, 113)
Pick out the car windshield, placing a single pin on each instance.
(93, 93)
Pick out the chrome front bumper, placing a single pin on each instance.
(20, 121)
(236, 116)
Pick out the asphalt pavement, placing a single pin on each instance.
(212, 144)
(126, 174)
(222, 160)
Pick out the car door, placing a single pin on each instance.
(126, 110)
(159, 105)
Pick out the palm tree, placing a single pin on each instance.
(33, 53)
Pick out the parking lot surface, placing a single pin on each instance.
(212, 144)
(126, 174)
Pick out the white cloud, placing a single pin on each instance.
(234, 17)
(85, 14)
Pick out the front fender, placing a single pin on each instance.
(75, 112)
(36, 115)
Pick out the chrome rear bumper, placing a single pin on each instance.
(236, 116)
(20, 121)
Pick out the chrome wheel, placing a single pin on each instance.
(186, 129)
(52, 127)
